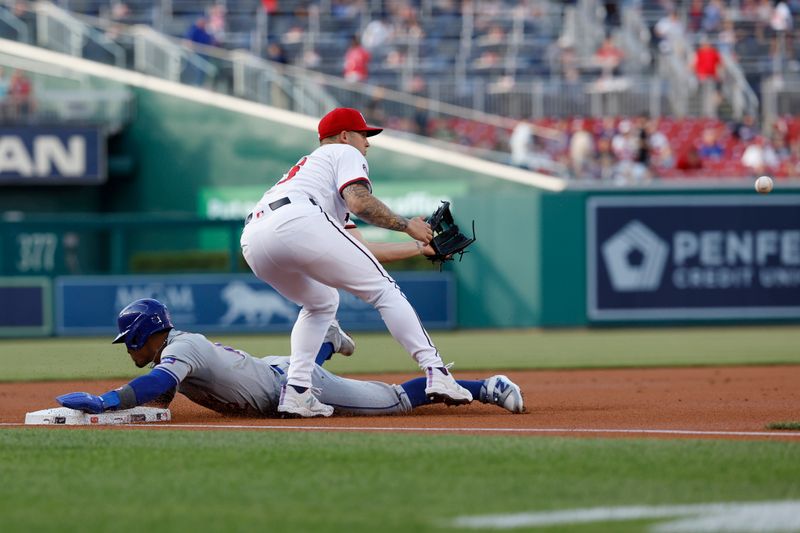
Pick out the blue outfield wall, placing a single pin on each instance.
(26, 306)
(231, 303)
(569, 259)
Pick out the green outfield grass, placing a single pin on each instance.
(58, 479)
(163, 480)
(70, 358)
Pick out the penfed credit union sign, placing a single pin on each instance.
(57, 155)
(693, 257)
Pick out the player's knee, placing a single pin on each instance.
(326, 306)
(383, 296)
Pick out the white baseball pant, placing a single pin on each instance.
(305, 255)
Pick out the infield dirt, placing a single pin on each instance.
(696, 400)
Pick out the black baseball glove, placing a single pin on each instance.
(447, 239)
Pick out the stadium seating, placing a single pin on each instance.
(509, 40)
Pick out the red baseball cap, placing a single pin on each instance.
(344, 119)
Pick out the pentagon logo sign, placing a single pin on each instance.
(635, 258)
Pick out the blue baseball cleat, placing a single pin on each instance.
(499, 390)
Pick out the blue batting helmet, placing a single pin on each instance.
(140, 319)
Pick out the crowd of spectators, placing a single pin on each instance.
(387, 31)
(638, 149)
(632, 150)
(755, 34)
(758, 33)
(621, 150)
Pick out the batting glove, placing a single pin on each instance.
(89, 403)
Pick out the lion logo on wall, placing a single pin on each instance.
(258, 308)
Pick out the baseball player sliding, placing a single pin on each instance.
(231, 381)
(300, 240)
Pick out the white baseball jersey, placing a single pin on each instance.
(322, 175)
(232, 381)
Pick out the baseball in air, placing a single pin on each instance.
(763, 184)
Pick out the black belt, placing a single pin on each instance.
(280, 202)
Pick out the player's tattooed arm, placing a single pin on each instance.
(365, 206)
(360, 202)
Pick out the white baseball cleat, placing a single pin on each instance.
(442, 386)
(342, 342)
(499, 390)
(305, 405)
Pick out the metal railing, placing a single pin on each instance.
(14, 25)
(160, 56)
(736, 89)
(465, 43)
(780, 96)
(58, 30)
(260, 35)
(680, 84)
(265, 82)
(589, 30)
(541, 98)
(154, 54)
(635, 41)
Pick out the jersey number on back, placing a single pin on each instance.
(294, 170)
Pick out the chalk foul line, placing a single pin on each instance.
(612, 431)
(764, 517)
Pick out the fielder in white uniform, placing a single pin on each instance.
(300, 240)
(231, 381)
